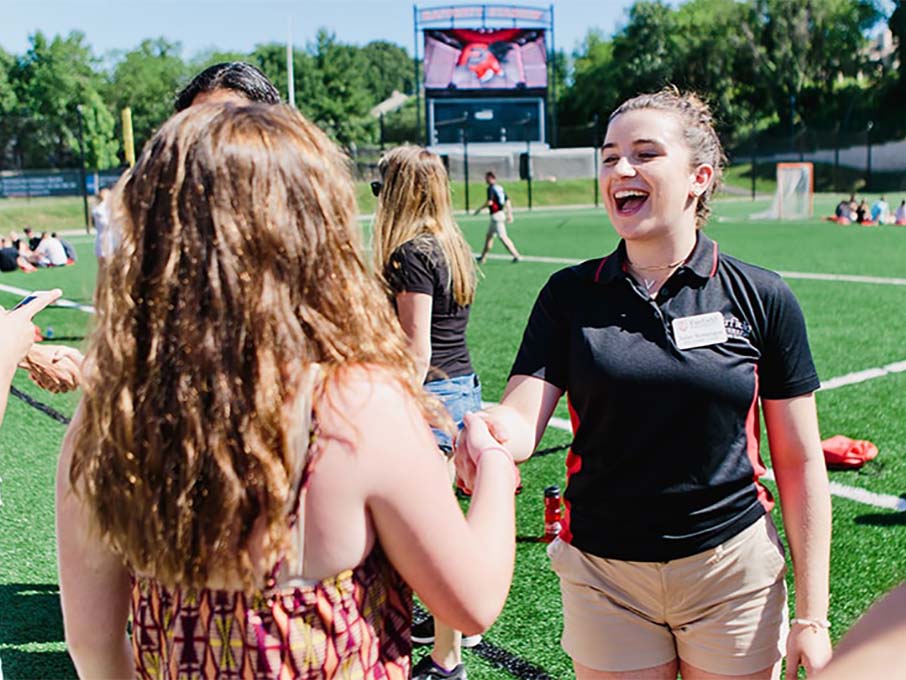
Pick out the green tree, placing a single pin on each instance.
(646, 50)
(801, 49)
(387, 67)
(8, 107)
(337, 97)
(897, 24)
(594, 89)
(146, 79)
(51, 80)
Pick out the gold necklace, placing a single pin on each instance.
(654, 268)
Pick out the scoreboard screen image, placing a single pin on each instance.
(483, 59)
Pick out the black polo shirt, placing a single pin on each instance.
(665, 457)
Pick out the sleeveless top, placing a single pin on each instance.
(352, 625)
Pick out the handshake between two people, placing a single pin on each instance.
(55, 368)
(482, 439)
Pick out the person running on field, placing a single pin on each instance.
(498, 205)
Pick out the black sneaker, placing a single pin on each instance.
(426, 669)
(423, 634)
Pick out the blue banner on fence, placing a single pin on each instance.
(34, 183)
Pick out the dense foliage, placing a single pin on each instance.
(774, 65)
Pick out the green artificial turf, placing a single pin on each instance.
(852, 327)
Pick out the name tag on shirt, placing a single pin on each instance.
(700, 330)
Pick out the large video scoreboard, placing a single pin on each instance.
(485, 81)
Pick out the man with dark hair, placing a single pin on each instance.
(501, 210)
(30, 238)
(233, 81)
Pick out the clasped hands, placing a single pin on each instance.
(55, 368)
(480, 436)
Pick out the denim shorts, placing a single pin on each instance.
(459, 396)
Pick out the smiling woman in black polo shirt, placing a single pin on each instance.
(666, 349)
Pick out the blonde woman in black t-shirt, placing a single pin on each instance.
(430, 272)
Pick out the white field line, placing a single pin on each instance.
(852, 493)
(59, 303)
(849, 278)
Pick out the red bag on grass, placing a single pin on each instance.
(843, 453)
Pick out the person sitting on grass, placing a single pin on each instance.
(31, 241)
(880, 211)
(900, 217)
(49, 253)
(863, 214)
(11, 260)
(842, 214)
(251, 459)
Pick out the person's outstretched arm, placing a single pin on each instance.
(876, 645)
(461, 567)
(94, 584)
(519, 420)
(799, 467)
(17, 335)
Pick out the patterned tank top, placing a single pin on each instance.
(352, 625)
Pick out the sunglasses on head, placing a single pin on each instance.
(376, 187)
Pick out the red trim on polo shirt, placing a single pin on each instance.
(714, 266)
(597, 276)
(573, 466)
(753, 448)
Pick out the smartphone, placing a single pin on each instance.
(24, 301)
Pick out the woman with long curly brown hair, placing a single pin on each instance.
(248, 468)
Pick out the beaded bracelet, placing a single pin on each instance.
(821, 624)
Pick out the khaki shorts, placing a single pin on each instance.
(497, 225)
(723, 610)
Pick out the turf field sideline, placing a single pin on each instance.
(853, 325)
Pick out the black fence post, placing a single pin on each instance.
(595, 144)
(464, 138)
(868, 155)
(754, 166)
(528, 161)
(836, 178)
(82, 188)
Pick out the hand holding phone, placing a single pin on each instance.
(17, 330)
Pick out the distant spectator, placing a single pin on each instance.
(49, 253)
(900, 217)
(100, 215)
(862, 213)
(68, 248)
(31, 239)
(880, 211)
(233, 81)
(11, 260)
(842, 210)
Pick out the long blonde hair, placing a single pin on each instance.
(238, 267)
(415, 201)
